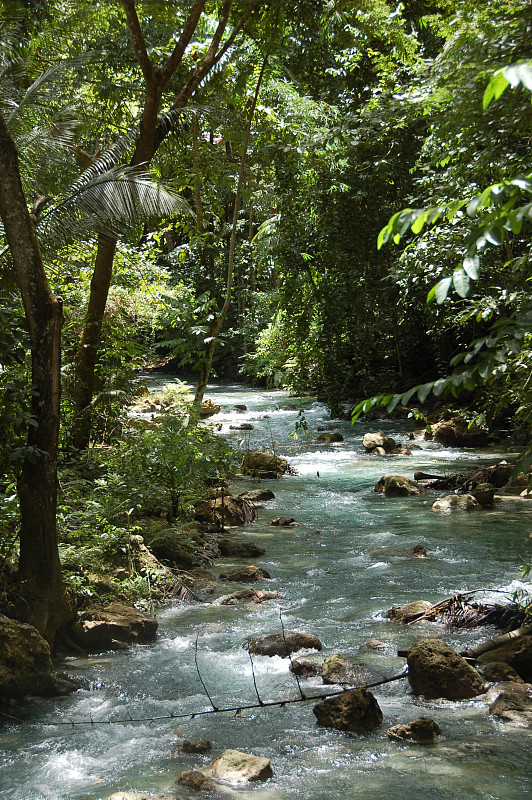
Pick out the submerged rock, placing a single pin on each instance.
(279, 644)
(338, 669)
(498, 671)
(197, 746)
(456, 502)
(236, 768)
(107, 628)
(195, 779)
(236, 549)
(245, 426)
(399, 486)
(422, 729)
(140, 796)
(435, 670)
(245, 574)
(246, 596)
(330, 437)
(484, 494)
(284, 522)
(25, 662)
(355, 710)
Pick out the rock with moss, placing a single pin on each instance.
(408, 611)
(111, 627)
(514, 704)
(264, 464)
(248, 574)
(338, 669)
(399, 486)
(517, 653)
(330, 437)
(356, 710)
(226, 510)
(435, 670)
(457, 433)
(422, 729)
(246, 596)
(237, 549)
(25, 662)
(208, 409)
(172, 546)
(283, 644)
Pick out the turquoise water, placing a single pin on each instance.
(339, 572)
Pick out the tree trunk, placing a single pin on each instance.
(45, 602)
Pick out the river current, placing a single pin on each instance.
(339, 571)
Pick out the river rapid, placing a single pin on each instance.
(348, 562)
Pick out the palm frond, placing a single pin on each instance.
(112, 202)
(175, 121)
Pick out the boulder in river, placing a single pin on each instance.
(499, 672)
(116, 625)
(246, 596)
(238, 768)
(195, 779)
(284, 522)
(236, 549)
(422, 729)
(283, 644)
(208, 409)
(356, 710)
(435, 670)
(408, 611)
(517, 653)
(305, 667)
(373, 440)
(245, 574)
(456, 502)
(245, 426)
(484, 494)
(25, 663)
(226, 510)
(338, 669)
(330, 437)
(399, 486)
(256, 495)
(198, 746)
(514, 704)
(264, 464)
(140, 796)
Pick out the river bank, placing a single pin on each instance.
(338, 572)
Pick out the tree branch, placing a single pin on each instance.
(137, 41)
(184, 40)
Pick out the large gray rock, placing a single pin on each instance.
(514, 704)
(279, 644)
(456, 502)
(355, 710)
(248, 574)
(264, 463)
(226, 510)
(422, 729)
(399, 486)
(238, 768)
(373, 440)
(517, 653)
(256, 495)
(107, 628)
(436, 670)
(25, 663)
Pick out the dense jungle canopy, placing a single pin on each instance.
(328, 195)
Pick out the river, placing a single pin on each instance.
(339, 572)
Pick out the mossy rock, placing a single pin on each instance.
(172, 546)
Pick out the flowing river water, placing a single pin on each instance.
(348, 562)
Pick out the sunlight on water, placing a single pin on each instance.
(338, 572)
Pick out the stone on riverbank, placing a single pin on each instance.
(114, 626)
(256, 495)
(514, 704)
(517, 653)
(238, 768)
(422, 729)
(399, 486)
(456, 502)
(456, 433)
(355, 710)
(279, 644)
(248, 574)
(226, 510)
(25, 663)
(435, 670)
(236, 549)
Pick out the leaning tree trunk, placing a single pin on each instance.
(45, 603)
